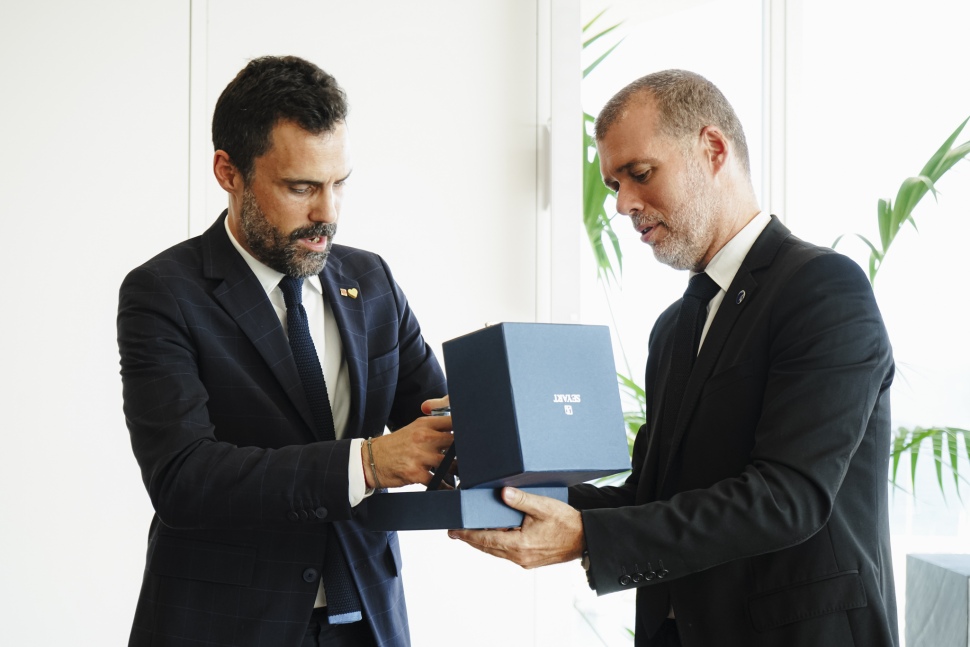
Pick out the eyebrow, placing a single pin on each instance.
(290, 180)
(629, 165)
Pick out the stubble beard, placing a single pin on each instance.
(684, 248)
(283, 252)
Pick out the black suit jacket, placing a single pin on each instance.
(220, 426)
(766, 523)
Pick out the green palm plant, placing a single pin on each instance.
(596, 218)
(599, 228)
(891, 217)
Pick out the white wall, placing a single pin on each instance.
(104, 126)
(442, 116)
(93, 125)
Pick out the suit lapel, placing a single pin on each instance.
(242, 296)
(347, 304)
(740, 294)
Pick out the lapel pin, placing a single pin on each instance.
(351, 292)
(343, 292)
(740, 298)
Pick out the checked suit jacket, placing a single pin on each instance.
(766, 522)
(242, 489)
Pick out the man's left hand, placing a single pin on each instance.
(551, 532)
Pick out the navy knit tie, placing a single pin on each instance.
(690, 322)
(343, 601)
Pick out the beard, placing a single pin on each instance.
(686, 244)
(281, 251)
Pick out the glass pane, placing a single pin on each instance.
(872, 95)
(659, 36)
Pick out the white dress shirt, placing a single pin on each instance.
(326, 341)
(726, 263)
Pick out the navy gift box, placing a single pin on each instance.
(535, 406)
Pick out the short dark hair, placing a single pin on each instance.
(268, 90)
(686, 103)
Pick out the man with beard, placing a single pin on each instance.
(756, 511)
(261, 364)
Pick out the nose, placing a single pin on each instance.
(627, 201)
(326, 208)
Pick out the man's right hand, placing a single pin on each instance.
(410, 454)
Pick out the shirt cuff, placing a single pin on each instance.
(357, 486)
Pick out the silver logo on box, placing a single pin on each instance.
(564, 398)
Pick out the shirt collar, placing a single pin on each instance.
(267, 276)
(726, 263)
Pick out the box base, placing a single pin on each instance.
(446, 509)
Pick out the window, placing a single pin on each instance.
(870, 92)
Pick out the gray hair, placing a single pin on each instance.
(686, 102)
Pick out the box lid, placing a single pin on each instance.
(535, 405)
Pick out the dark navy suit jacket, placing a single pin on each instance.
(766, 523)
(242, 489)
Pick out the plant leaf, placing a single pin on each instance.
(953, 156)
(932, 167)
(593, 39)
(937, 441)
(911, 191)
(966, 441)
(951, 437)
(592, 66)
(595, 18)
(884, 216)
(899, 446)
(595, 218)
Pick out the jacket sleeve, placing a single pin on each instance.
(194, 479)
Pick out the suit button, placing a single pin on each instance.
(310, 575)
(292, 515)
(303, 515)
(662, 573)
(320, 512)
(637, 578)
(625, 580)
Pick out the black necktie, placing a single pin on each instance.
(343, 601)
(690, 322)
(307, 360)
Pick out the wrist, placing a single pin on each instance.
(370, 468)
(365, 463)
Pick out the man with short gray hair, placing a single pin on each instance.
(756, 514)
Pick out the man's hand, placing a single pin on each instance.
(551, 533)
(436, 403)
(411, 453)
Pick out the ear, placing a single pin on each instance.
(714, 148)
(226, 173)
